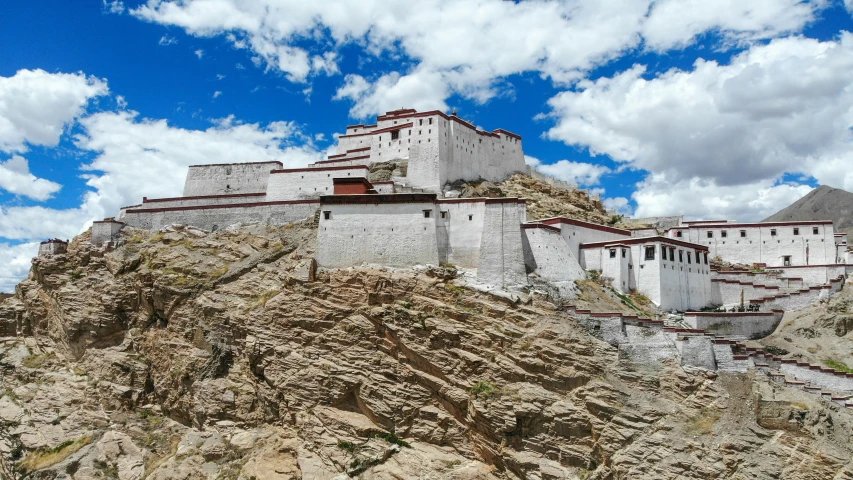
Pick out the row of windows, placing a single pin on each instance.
(650, 254)
(725, 233)
(327, 214)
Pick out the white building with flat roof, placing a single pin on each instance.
(773, 244)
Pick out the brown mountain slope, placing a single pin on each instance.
(822, 203)
(192, 355)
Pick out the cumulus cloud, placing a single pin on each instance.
(619, 204)
(36, 106)
(776, 108)
(468, 46)
(703, 199)
(15, 263)
(15, 177)
(575, 172)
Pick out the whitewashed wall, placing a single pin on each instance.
(393, 234)
(814, 275)
(547, 255)
(460, 231)
(501, 260)
(743, 325)
(304, 183)
(157, 203)
(761, 246)
(215, 217)
(228, 178)
(575, 233)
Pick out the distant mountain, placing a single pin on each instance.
(822, 203)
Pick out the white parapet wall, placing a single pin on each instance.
(824, 378)
(741, 325)
(214, 217)
(223, 179)
(813, 275)
(155, 203)
(459, 229)
(577, 232)
(391, 230)
(548, 255)
(305, 183)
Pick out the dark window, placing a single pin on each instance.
(678, 234)
(430, 121)
(427, 213)
(773, 232)
(327, 215)
(623, 253)
(681, 255)
(443, 214)
(421, 121)
(815, 231)
(724, 234)
(796, 231)
(672, 255)
(710, 234)
(470, 217)
(650, 253)
(395, 134)
(743, 234)
(689, 257)
(612, 253)
(706, 258)
(786, 260)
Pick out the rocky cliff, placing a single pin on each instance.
(185, 354)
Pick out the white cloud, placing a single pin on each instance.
(531, 161)
(467, 46)
(166, 40)
(220, 76)
(199, 53)
(619, 204)
(573, 172)
(217, 93)
(15, 263)
(116, 6)
(239, 66)
(36, 106)
(15, 177)
(783, 107)
(657, 196)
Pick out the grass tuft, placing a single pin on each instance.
(44, 458)
(703, 423)
(840, 366)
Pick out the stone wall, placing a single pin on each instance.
(306, 183)
(156, 203)
(501, 261)
(52, 247)
(214, 217)
(548, 256)
(393, 231)
(814, 274)
(105, 231)
(743, 325)
(576, 232)
(459, 229)
(823, 378)
(698, 351)
(229, 178)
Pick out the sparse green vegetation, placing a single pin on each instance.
(840, 366)
(37, 361)
(262, 299)
(348, 447)
(43, 458)
(486, 390)
(703, 423)
(454, 289)
(391, 438)
(75, 274)
(800, 406)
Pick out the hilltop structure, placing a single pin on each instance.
(408, 221)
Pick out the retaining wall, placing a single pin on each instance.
(546, 254)
(817, 376)
(306, 183)
(746, 325)
(105, 231)
(213, 217)
(501, 261)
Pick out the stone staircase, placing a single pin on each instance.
(770, 291)
(726, 354)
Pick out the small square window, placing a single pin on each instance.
(678, 234)
(430, 121)
(427, 213)
(724, 234)
(470, 217)
(395, 134)
(710, 234)
(815, 231)
(327, 215)
(650, 253)
(443, 214)
(743, 234)
(786, 260)
(421, 122)
(796, 231)
(773, 232)
(612, 253)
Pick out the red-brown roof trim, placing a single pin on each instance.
(638, 240)
(237, 163)
(380, 131)
(377, 198)
(540, 225)
(200, 197)
(229, 205)
(321, 169)
(483, 200)
(580, 223)
(758, 224)
(338, 160)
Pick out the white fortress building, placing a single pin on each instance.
(406, 221)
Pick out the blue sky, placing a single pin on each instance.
(723, 109)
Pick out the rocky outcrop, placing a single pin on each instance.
(187, 354)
